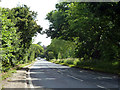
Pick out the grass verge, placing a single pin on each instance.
(7, 74)
(94, 65)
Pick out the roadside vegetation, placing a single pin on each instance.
(89, 32)
(85, 35)
(17, 27)
(100, 66)
(14, 69)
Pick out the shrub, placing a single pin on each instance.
(77, 62)
(61, 61)
(68, 61)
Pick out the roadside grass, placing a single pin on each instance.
(5, 75)
(20, 66)
(95, 65)
(8, 74)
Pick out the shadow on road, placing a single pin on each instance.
(45, 74)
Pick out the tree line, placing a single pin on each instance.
(92, 28)
(17, 27)
(60, 49)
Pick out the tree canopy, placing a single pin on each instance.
(18, 26)
(60, 49)
(94, 27)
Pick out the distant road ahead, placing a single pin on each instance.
(45, 74)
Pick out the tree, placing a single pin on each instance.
(58, 21)
(61, 49)
(10, 41)
(18, 26)
(110, 33)
(94, 27)
(38, 50)
(39, 43)
(24, 19)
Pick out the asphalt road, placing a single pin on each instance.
(45, 74)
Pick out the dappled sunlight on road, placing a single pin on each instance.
(45, 74)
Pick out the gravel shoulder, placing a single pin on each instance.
(18, 79)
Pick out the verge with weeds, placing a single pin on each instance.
(95, 65)
(7, 74)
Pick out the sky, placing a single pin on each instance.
(42, 7)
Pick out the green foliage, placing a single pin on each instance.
(68, 61)
(35, 51)
(18, 26)
(10, 41)
(77, 62)
(32, 56)
(25, 21)
(50, 55)
(13, 70)
(8, 74)
(106, 66)
(61, 48)
(94, 27)
(58, 21)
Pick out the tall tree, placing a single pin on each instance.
(10, 41)
(61, 48)
(25, 21)
(94, 27)
(18, 26)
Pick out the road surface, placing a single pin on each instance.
(45, 74)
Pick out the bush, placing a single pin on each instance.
(61, 61)
(77, 62)
(68, 61)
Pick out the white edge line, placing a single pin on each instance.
(30, 80)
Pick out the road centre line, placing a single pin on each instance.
(102, 87)
(75, 78)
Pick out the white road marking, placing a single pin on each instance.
(30, 81)
(100, 86)
(75, 78)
